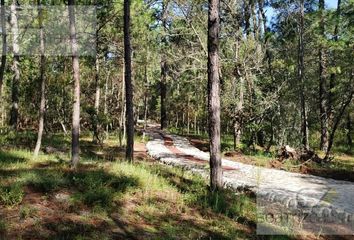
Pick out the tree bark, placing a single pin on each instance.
(336, 124)
(42, 80)
(129, 153)
(195, 123)
(239, 116)
(105, 97)
(97, 73)
(262, 16)
(332, 78)
(97, 83)
(304, 121)
(146, 101)
(4, 45)
(237, 124)
(247, 16)
(15, 66)
(254, 20)
(163, 84)
(122, 113)
(216, 181)
(183, 123)
(75, 148)
(349, 131)
(322, 82)
(96, 124)
(188, 118)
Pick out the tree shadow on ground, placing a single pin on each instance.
(87, 204)
(61, 198)
(7, 158)
(92, 150)
(91, 203)
(239, 207)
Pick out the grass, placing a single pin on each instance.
(107, 198)
(11, 195)
(27, 211)
(3, 227)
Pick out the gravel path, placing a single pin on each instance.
(328, 199)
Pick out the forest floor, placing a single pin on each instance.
(340, 168)
(108, 198)
(327, 200)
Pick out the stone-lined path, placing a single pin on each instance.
(328, 198)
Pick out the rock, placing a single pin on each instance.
(62, 197)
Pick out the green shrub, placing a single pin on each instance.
(11, 195)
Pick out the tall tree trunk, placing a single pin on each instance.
(4, 46)
(188, 118)
(3, 58)
(2, 110)
(96, 124)
(106, 103)
(255, 26)
(349, 131)
(337, 121)
(237, 124)
(146, 101)
(63, 119)
(304, 121)
(163, 94)
(216, 181)
(105, 96)
(262, 17)
(163, 84)
(97, 72)
(75, 148)
(239, 116)
(332, 78)
(42, 80)
(322, 83)
(97, 83)
(122, 115)
(183, 123)
(247, 16)
(240, 111)
(15, 66)
(129, 154)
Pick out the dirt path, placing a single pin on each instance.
(330, 201)
(342, 171)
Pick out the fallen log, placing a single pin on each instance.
(286, 152)
(53, 150)
(303, 155)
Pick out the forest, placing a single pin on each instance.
(152, 119)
